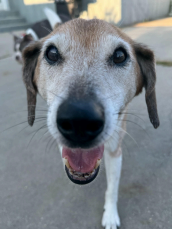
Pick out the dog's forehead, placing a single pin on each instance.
(88, 34)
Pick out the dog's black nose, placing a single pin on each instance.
(17, 57)
(80, 121)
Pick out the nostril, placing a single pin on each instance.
(65, 125)
(95, 127)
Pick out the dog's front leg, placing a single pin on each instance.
(113, 164)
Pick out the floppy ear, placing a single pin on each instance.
(28, 37)
(15, 37)
(30, 57)
(146, 60)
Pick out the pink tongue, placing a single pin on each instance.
(81, 160)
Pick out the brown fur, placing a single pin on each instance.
(147, 79)
(30, 57)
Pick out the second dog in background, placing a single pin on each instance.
(38, 31)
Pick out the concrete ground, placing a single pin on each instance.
(164, 22)
(35, 193)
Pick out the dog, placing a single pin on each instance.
(38, 31)
(88, 71)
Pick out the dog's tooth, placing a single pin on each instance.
(93, 172)
(86, 176)
(98, 163)
(74, 175)
(71, 171)
(66, 163)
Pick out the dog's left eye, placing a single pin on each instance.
(52, 55)
(119, 56)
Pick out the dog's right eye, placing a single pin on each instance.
(119, 56)
(52, 55)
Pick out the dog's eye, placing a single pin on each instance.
(119, 56)
(52, 55)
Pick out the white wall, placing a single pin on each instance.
(143, 10)
(133, 11)
(32, 13)
(4, 4)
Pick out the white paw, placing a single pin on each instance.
(111, 218)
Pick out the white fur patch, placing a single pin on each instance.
(18, 54)
(52, 17)
(111, 218)
(32, 33)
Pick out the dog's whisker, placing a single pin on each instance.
(37, 110)
(116, 132)
(135, 114)
(45, 117)
(136, 125)
(35, 132)
(18, 124)
(52, 141)
(133, 122)
(35, 106)
(52, 93)
(111, 136)
(46, 132)
(28, 125)
(128, 135)
(127, 113)
(52, 144)
(14, 126)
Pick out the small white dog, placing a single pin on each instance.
(88, 71)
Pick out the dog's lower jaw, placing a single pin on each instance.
(82, 165)
(82, 179)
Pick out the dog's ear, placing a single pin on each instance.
(28, 37)
(146, 60)
(30, 57)
(15, 37)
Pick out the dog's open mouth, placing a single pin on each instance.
(81, 165)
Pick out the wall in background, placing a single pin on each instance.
(32, 13)
(109, 10)
(120, 12)
(30, 2)
(134, 11)
(127, 12)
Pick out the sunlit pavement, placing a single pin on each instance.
(35, 192)
(164, 22)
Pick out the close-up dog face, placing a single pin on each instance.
(87, 71)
